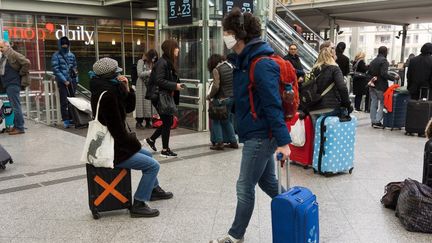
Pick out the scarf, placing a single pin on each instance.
(3, 61)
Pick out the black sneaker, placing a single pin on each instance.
(159, 194)
(168, 153)
(377, 125)
(141, 209)
(151, 144)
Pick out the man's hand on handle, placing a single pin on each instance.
(285, 151)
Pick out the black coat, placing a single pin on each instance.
(343, 62)
(165, 77)
(360, 83)
(113, 107)
(379, 68)
(419, 74)
(338, 95)
(296, 62)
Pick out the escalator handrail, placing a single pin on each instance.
(294, 17)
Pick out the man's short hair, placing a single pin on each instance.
(382, 50)
(292, 44)
(244, 25)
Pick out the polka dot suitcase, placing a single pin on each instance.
(334, 144)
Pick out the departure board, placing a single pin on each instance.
(179, 12)
(246, 6)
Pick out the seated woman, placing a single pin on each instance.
(113, 107)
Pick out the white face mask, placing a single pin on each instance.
(230, 41)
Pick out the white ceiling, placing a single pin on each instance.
(397, 12)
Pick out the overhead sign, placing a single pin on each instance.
(246, 6)
(179, 12)
(29, 33)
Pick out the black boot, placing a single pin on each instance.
(148, 123)
(159, 194)
(141, 209)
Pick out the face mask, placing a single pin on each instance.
(230, 41)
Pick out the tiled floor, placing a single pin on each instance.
(44, 193)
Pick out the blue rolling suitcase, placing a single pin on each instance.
(295, 216)
(334, 144)
(396, 118)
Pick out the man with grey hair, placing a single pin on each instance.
(13, 71)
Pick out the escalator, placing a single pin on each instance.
(280, 34)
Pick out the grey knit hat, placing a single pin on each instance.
(106, 65)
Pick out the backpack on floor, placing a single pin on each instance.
(287, 78)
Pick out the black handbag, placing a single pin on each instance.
(166, 105)
(217, 111)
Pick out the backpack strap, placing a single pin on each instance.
(252, 84)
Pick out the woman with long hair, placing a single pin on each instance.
(144, 109)
(330, 83)
(360, 81)
(168, 85)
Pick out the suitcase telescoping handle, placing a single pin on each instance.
(279, 157)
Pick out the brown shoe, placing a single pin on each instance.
(15, 131)
(232, 145)
(218, 146)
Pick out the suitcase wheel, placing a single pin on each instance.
(2, 166)
(351, 170)
(305, 167)
(96, 215)
(11, 161)
(327, 174)
(315, 171)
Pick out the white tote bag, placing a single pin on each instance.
(298, 134)
(99, 144)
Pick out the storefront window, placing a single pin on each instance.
(22, 35)
(110, 39)
(135, 42)
(82, 36)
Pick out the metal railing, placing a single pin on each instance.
(192, 107)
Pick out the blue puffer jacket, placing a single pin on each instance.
(60, 66)
(267, 100)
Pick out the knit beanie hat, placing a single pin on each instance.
(106, 66)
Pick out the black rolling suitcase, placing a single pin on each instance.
(80, 118)
(109, 189)
(418, 114)
(5, 158)
(396, 118)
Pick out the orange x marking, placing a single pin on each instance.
(110, 188)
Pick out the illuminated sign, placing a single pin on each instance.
(179, 12)
(79, 34)
(246, 6)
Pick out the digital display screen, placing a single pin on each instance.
(179, 12)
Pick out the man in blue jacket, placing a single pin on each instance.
(242, 34)
(64, 67)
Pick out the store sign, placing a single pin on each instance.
(79, 34)
(179, 12)
(246, 6)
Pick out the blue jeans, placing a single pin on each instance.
(223, 131)
(376, 111)
(13, 93)
(257, 166)
(143, 160)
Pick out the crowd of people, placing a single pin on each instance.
(157, 91)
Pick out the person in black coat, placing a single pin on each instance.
(419, 73)
(166, 79)
(118, 100)
(379, 68)
(294, 59)
(342, 60)
(360, 81)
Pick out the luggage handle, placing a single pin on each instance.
(427, 96)
(279, 157)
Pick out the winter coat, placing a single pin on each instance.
(338, 96)
(266, 97)
(343, 62)
(296, 62)
(16, 68)
(419, 74)
(360, 83)
(61, 62)
(143, 107)
(222, 81)
(165, 77)
(379, 68)
(113, 107)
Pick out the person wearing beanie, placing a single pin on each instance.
(419, 73)
(65, 69)
(116, 102)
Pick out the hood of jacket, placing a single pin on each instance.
(99, 84)
(255, 47)
(60, 46)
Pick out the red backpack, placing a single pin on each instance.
(287, 77)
